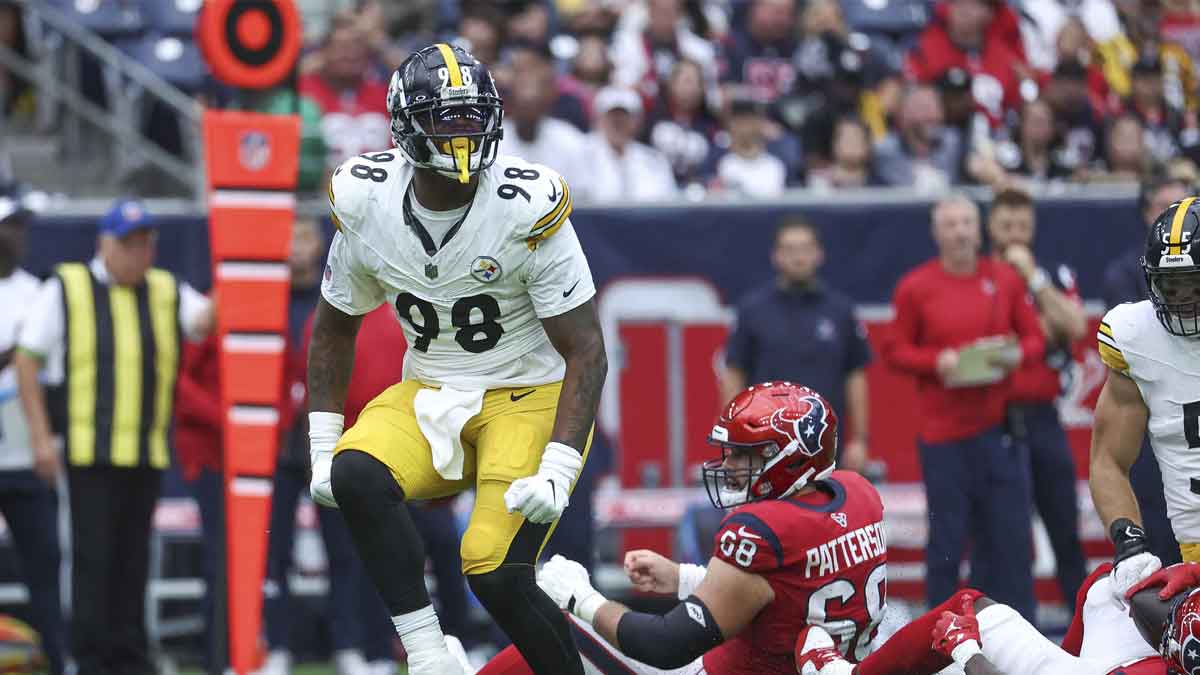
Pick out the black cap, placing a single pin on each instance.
(1148, 65)
(743, 104)
(1070, 70)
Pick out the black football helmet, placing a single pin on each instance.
(446, 113)
(1171, 267)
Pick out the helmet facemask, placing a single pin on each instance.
(456, 132)
(731, 480)
(1175, 294)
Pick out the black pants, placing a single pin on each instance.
(209, 492)
(1055, 493)
(111, 515)
(31, 509)
(978, 491)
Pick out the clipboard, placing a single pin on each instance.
(975, 367)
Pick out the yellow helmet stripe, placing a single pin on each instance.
(1176, 239)
(451, 64)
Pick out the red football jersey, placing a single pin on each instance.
(824, 554)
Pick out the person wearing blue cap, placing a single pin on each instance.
(117, 322)
(29, 506)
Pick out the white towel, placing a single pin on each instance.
(441, 415)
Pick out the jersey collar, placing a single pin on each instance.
(410, 219)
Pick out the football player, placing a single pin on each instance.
(504, 367)
(1152, 351)
(804, 545)
(1102, 639)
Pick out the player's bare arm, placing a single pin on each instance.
(577, 337)
(1119, 425)
(330, 357)
(1120, 421)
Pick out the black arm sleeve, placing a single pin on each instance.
(671, 640)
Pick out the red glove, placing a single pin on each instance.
(1173, 579)
(956, 630)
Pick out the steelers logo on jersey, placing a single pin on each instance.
(486, 269)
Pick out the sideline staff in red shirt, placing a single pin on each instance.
(976, 478)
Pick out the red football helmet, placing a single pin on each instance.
(785, 434)
(1181, 639)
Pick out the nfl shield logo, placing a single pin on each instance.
(254, 150)
(431, 270)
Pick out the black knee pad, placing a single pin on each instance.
(498, 587)
(358, 478)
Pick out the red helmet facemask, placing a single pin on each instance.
(775, 438)
(1181, 640)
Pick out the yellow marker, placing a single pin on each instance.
(462, 157)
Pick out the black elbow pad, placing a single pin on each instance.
(671, 640)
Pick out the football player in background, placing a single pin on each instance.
(804, 545)
(1152, 351)
(504, 368)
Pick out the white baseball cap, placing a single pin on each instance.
(617, 98)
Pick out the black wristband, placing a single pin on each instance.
(1128, 537)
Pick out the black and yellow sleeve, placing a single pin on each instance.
(548, 224)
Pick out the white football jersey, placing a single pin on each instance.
(471, 308)
(1166, 369)
(15, 291)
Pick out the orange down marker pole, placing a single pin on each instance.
(253, 161)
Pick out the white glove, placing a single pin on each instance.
(542, 497)
(1130, 571)
(568, 585)
(324, 430)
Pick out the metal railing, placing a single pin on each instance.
(57, 47)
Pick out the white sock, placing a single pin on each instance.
(420, 632)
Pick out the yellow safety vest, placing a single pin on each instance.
(121, 363)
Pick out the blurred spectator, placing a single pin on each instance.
(479, 31)
(1140, 21)
(1125, 156)
(1035, 152)
(1043, 23)
(645, 52)
(681, 125)
(1032, 413)
(351, 93)
(976, 478)
(621, 168)
(29, 504)
(981, 37)
(746, 167)
(1078, 115)
(1147, 101)
(285, 100)
(1124, 281)
(833, 68)
(799, 329)
(852, 165)
(1181, 24)
(116, 435)
(1074, 45)
(590, 70)
(529, 21)
(198, 446)
(758, 55)
(523, 59)
(529, 131)
(921, 151)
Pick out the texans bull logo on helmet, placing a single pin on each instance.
(1190, 656)
(805, 430)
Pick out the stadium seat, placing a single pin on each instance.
(176, 60)
(172, 17)
(886, 16)
(107, 18)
